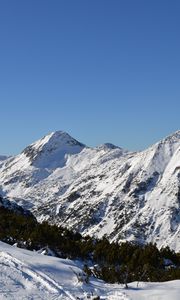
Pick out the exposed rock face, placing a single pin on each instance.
(100, 191)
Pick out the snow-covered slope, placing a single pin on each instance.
(100, 191)
(29, 275)
(2, 159)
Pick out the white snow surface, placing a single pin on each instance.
(29, 275)
(100, 191)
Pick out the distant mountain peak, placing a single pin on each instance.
(108, 146)
(113, 150)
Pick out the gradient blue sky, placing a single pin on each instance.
(104, 71)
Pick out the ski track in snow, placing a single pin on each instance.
(27, 275)
(30, 276)
(24, 277)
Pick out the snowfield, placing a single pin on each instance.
(29, 275)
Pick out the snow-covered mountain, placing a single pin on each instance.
(100, 191)
(29, 275)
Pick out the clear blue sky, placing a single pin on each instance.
(104, 71)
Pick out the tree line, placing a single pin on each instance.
(112, 262)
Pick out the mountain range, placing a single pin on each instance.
(100, 191)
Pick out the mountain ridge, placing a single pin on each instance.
(99, 191)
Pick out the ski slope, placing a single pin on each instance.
(29, 275)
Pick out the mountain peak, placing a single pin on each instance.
(108, 146)
(51, 149)
(174, 137)
(56, 139)
(171, 138)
